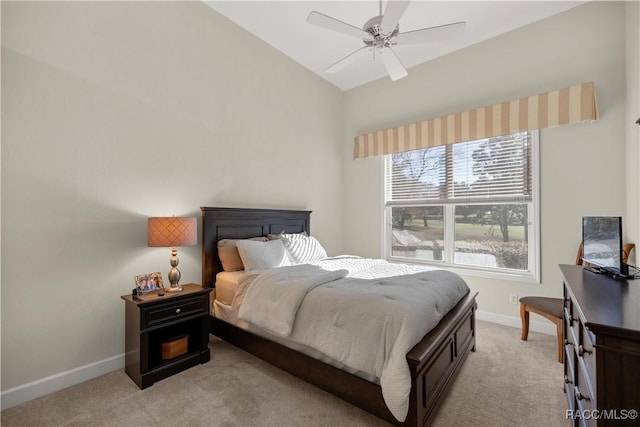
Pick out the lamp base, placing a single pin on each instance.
(174, 273)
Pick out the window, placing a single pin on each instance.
(471, 205)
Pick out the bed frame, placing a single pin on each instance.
(434, 362)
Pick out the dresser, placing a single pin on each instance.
(602, 348)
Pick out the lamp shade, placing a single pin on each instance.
(170, 232)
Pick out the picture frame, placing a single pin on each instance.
(148, 282)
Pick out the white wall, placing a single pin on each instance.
(116, 111)
(582, 165)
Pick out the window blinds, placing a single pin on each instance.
(559, 107)
(496, 168)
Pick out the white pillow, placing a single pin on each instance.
(261, 255)
(303, 248)
(229, 256)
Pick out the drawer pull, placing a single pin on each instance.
(581, 396)
(177, 311)
(566, 380)
(567, 342)
(582, 351)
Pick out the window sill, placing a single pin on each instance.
(508, 275)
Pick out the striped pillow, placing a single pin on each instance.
(302, 248)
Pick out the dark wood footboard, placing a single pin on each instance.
(434, 363)
(436, 360)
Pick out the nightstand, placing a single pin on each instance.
(153, 323)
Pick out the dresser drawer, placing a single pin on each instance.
(570, 337)
(169, 312)
(586, 381)
(568, 304)
(569, 378)
(587, 359)
(569, 366)
(575, 328)
(585, 400)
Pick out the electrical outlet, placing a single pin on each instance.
(513, 299)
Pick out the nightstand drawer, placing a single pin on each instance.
(176, 310)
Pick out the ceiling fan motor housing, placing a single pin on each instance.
(372, 26)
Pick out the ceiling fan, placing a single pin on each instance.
(381, 32)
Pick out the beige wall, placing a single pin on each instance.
(578, 161)
(115, 111)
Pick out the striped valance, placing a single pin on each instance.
(559, 107)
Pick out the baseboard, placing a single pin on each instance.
(23, 393)
(542, 327)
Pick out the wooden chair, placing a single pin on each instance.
(552, 308)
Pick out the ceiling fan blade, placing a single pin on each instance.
(324, 21)
(432, 34)
(392, 14)
(347, 60)
(392, 63)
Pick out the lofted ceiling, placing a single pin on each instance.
(282, 24)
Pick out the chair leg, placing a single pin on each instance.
(524, 316)
(560, 341)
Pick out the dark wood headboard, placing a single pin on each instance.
(239, 223)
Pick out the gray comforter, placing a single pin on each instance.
(355, 311)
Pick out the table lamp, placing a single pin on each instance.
(171, 232)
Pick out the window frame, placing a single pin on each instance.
(532, 275)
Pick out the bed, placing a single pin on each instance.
(433, 362)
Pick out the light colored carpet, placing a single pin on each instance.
(506, 382)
